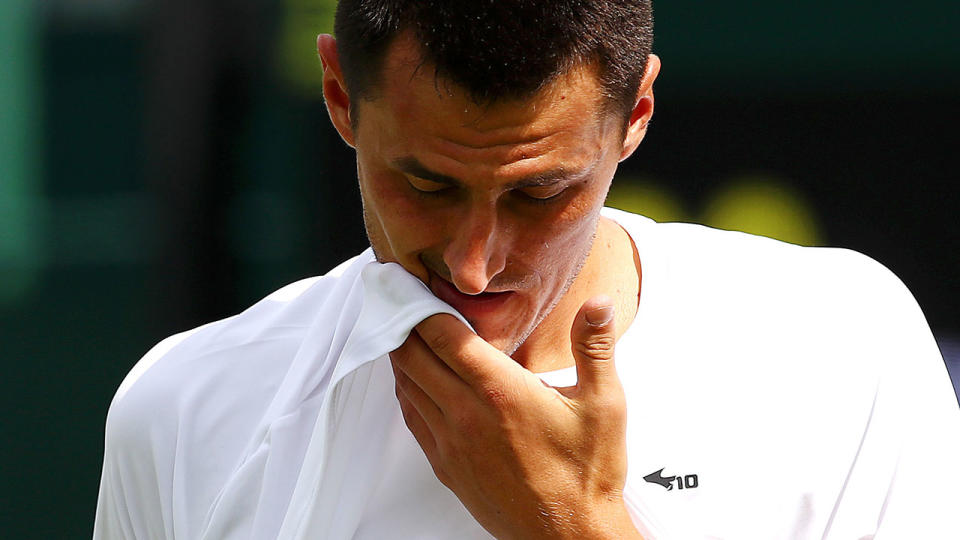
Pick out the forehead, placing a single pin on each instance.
(418, 109)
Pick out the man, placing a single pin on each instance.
(760, 390)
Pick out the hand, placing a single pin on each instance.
(526, 459)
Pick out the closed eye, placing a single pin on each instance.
(426, 186)
(543, 193)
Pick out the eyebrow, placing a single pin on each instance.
(412, 166)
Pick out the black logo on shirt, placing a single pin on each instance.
(689, 481)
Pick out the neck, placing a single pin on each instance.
(611, 268)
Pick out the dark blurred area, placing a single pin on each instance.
(167, 163)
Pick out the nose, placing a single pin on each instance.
(476, 252)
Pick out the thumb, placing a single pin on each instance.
(593, 339)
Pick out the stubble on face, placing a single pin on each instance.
(522, 337)
(520, 282)
(484, 154)
(515, 282)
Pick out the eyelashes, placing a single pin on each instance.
(542, 200)
(422, 185)
(537, 195)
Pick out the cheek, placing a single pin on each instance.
(400, 222)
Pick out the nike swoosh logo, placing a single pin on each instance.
(658, 478)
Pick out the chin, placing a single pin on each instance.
(507, 344)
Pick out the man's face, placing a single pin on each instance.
(494, 208)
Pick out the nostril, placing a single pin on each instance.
(469, 288)
(469, 275)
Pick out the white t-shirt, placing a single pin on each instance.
(773, 391)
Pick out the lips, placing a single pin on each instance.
(471, 306)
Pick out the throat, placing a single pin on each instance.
(548, 348)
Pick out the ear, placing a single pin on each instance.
(642, 109)
(334, 88)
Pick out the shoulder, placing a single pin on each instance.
(757, 269)
(214, 382)
(753, 292)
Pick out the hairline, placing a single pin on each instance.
(609, 105)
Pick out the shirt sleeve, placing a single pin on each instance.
(135, 499)
(923, 498)
(129, 505)
(905, 478)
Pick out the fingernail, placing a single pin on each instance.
(599, 316)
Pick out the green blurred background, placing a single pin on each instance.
(168, 162)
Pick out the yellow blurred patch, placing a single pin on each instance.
(646, 198)
(763, 205)
(297, 61)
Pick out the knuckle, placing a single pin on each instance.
(402, 381)
(402, 399)
(403, 384)
(495, 396)
(399, 356)
(405, 411)
(597, 347)
(440, 342)
(408, 415)
(462, 420)
(441, 475)
(446, 453)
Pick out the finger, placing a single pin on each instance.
(593, 338)
(417, 426)
(474, 360)
(408, 391)
(430, 374)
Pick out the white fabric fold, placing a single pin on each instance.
(347, 370)
(343, 458)
(801, 387)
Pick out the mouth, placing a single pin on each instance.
(471, 306)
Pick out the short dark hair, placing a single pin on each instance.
(501, 49)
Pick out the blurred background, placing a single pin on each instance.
(166, 163)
